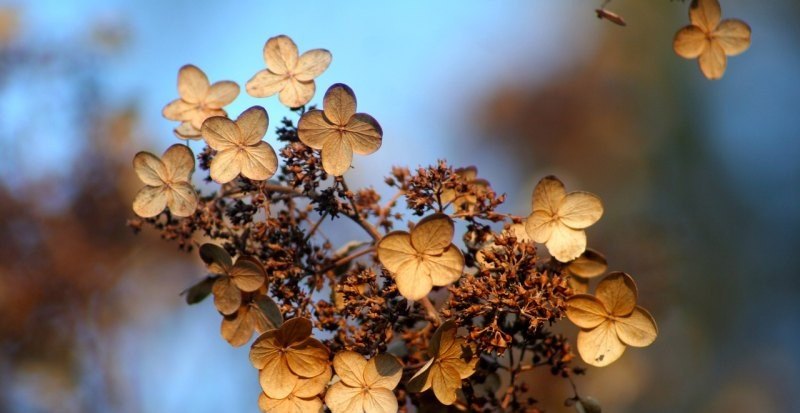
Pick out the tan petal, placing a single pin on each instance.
(221, 94)
(289, 404)
(227, 298)
(296, 93)
(713, 61)
(337, 156)
(199, 116)
(247, 275)
(586, 311)
(433, 234)
(312, 387)
(192, 84)
(548, 194)
(227, 164)
(265, 83)
(311, 64)
(253, 124)
(280, 54)
(464, 369)
(220, 133)
(344, 399)
(733, 36)
(179, 163)
(307, 359)
(149, 169)
(600, 346)
(350, 367)
(380, 400)
(150, 201)
(445, 381)
(637, 330)
(339, 104)
(590, 264)
(364, 134)
(216, 258)
(276, 379)
(412, 282)
(383, 370)
(579, 284)
(579, 210)
(314, 130)
(293, 331)
(265, 349)
(177, 109)
(186, 131)
(237, 329)
(260, 162)
(705, 14)
(394, 249)
(443, 339)
(565, 243)
(447, 267)
(270, 314)
(618, 293)
(540, 225)
(421, 380)
(690, 42)
(182, 199)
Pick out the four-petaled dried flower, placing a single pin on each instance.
(287, 73)
(198, 101)
(364, 386)
(451, 361)
(338, 130)
(610, 320)
(303, 398)
(168, 182)
(239, 146)
(559, 218)
(424, 258)
(286, 355)
(709, 39)
(246, 274)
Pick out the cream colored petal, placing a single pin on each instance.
(198, 117)
(337, 156)
(344, 399)
(519, 231)
(192, 84)
(182, 199)
(177, 109)
(179, 163)
(220, 133)
(260, 162)
(380, 400)
(690, 42)
(733, 36)
(237, 329)
(586, 311)
(265, 83)
(433, 234)
(221, 94)
(579, 210)
(294, 331)
(445, 382)
(713, 61)
(705, 14)
(253, 124)
(540, 225)
(566, 244)
(350, 366)
(150, 201)
(421, 380)
(314, 130)
(276, 379)
(364, 134)
(311, 64)
(296, 93)
(247, 275)
(600, 346)
(227, 164)
(149, 169)
(308, 359)
(280, 54)
(265, 349)
(290, 404)
(446, 268)
(339, 104)
(548, 194)
(186, 131)
(411, 282)
(306, 388)
(227, 298)
(590, 264)
(384, 371)
(618, 293)
(394, 249)
(637, 330)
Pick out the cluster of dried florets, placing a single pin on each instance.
(409, 310)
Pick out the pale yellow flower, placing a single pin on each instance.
(451, 362)
(239, 147)
(287, 73)
(610, 320)
(709, 39)
(304, 397)
(424, 258)
(168, 182)
(338, 130)
(198, 101)
(247, 275)
(364, 386)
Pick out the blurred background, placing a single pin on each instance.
(700, 179)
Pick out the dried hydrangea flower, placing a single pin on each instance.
(589, 265)
(364, 386)
(287, 73)
(709, 39)
(424, 258)
(246, 274)
(463, 202)
(168, 181)
(451, 361)
(303, 398)
(198, 101)
(559, 218)
(238, 328)
(286, 355)
(338, 130)
(610, 320)
(239, 146)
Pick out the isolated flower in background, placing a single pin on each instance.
(287, 73)
(304, 397)
(246, 275)
(338, 130)
(198, 101)
(589, 265)
(559, 218)
(168, 182)
(364, 386)
(710, 40)
(239, 146)
(610, 320)
(451, 361)
(423, 258)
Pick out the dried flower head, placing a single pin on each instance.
(338, 130)
(168, 181)
(287, 73)
(709, 39)
(559, 218)
(424, 258)
(452, 360)
(304, 397)
(198, 101)
(239, 146)
(364, 386)
(246, 275)
(610, 320)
